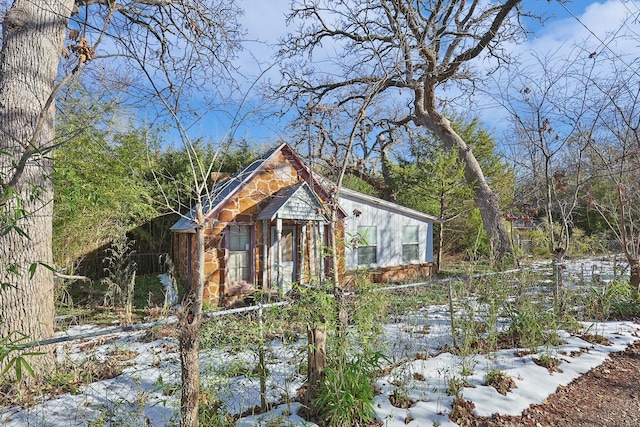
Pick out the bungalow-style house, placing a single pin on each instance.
(267, 227)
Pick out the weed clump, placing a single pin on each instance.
(546, 361)
(502, 382)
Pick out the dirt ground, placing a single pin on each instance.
(608, 395)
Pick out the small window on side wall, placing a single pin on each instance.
(239, 265)
(368, 245)
(410, 244)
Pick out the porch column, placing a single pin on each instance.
(321, 257)
(279, 277)
(313, 251)
(265, 255)
(301, 259)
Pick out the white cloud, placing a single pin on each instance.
(608, 23)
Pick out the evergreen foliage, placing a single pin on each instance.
(100, 182)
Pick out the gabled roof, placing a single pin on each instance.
(354, 195)
(294, 202)
(289, 199)
(226, 190)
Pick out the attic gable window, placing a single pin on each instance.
(283, 171)
(239, 256)
(410, 244)
(368, 245)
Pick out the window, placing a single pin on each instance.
(368, 245)
(284, 171)
(410, 241)
(239, 259)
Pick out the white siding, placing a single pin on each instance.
(389, 225)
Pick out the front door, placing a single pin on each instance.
(283, 258)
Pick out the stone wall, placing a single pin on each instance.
(400, 273)
(242, 210)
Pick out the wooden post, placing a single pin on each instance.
(316, 361)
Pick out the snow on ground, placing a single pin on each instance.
(145, 393)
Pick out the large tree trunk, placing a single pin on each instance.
(485, 199)
(32, 39)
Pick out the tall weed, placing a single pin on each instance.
(612, 298)
(121, 277)
(531, 325)
(347, 391)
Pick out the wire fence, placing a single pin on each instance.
(227, 312)
(260, 351)
(589, 269)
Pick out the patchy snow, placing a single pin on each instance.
(147, 393)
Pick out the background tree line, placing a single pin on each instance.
(105, 180)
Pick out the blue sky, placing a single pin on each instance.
(577, 22)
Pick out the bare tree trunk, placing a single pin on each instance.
(190, 338)
(33, 34)
(628, 239)
(343, 316)
(440, 247)
(441, 211)
(452, 316)
(485, 199)
(558, 294)
(189, 345)
(634, 271)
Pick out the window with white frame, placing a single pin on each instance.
(367, 245)
(410, 244)
(239, 256)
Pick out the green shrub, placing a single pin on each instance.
(502, 382)
(611, 298)
(366, 312)
(586, 245)
(211, 411)
(531, 325)
(539, 241)
(347, 392)
(547, 361)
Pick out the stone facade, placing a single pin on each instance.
(241, 209)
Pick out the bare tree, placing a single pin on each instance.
(148, 42)
(200, 171)
(614, 151)
(550, 108)
(403, 53)
(332, 130)
(577, 119)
